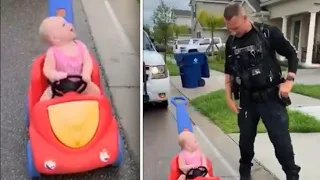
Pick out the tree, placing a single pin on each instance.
(210, 22)
(163, 18)
(159, 35)
(146, 28)
(180, 29)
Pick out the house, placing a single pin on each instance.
(217, 7)
(299, 21)
(183, 17)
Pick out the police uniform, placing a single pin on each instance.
(251, 63)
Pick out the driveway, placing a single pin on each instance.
(308, 76)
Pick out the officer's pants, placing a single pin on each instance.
(275, 118)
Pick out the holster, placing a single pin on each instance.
(269, 94)
(286, 101)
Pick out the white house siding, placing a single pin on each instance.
(183, 21)
(291, 7)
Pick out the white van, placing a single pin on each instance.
(156, 81)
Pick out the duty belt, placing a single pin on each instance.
(262, 95)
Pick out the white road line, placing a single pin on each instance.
(217, 152)
(118, 26)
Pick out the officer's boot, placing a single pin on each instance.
(245, 171)
(293, 174)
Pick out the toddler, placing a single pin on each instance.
(190, 156)
(66, 56)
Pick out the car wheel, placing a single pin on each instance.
(26, 112)
(164, 104)
(120, 157)
(32, 171)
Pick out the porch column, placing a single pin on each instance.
(284, 31)
(312, 30)
(284, 25)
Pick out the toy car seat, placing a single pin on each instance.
(38, 81)
(175, 172)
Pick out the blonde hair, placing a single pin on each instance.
(44, 28)
(182, 138)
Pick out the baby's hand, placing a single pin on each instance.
(60, 75)
(193, 166)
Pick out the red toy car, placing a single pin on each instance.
(175, 172)
(72, 133)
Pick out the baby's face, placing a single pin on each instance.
(192, 143)
(62, 30)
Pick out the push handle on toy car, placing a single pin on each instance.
(196, 172)
(63, 86)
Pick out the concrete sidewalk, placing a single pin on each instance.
(264, 149)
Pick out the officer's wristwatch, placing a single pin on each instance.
(290, 78)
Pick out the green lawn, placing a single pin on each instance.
(308, 90)
(213, 105)
(216, 65)
(173, 69)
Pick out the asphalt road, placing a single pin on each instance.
(19, 45)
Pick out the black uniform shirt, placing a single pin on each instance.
(276, 40)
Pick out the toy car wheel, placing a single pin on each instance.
(32, 171)
(26, 112)
(119, 160)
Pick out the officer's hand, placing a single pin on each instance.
(233, 106)
(285, 88)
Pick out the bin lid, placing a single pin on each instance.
(187, 59)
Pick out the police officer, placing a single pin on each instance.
(252, 68)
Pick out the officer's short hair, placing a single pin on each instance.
(232, 9)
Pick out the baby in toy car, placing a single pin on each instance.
(190, 157)
(66, 55)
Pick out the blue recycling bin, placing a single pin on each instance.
(193, 66)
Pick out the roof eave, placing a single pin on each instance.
(268, 3)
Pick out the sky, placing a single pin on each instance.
(150, 5)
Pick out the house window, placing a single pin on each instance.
(198, 34)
